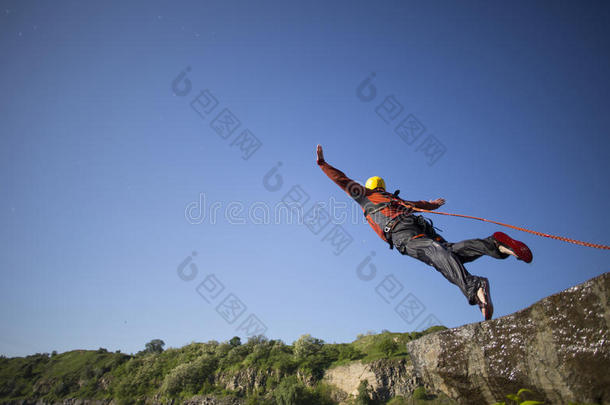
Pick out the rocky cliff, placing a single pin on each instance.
(387, 378)
(558, 347)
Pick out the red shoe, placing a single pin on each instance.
(487, 308)
(519, 248)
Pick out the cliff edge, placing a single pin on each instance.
(558, 347)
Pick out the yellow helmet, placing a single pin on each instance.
(375, 182)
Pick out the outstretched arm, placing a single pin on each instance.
(348, 185)
(427, 205)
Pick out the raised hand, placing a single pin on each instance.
(320, 154)
(438, 202)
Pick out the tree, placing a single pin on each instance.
(154, 346)
(256, 340)
(307, 345)
(235, 341)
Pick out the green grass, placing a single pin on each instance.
(369, 344)
(41, 376)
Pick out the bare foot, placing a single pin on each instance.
(484, 300)
(505, 250)
(481, 295)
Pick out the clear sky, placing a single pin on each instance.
(114, 169)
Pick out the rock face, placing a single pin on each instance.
(197, 400)
(559, 347)
(244, 380)
(210, 400)
(348, 377)
(387, 378)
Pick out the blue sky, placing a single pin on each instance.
(101, 160)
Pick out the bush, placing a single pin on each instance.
(364, 394)
(307, 346)
(291, 391)
(234, 356)
(258, 357)
(398, 400)
(223, 349)
(387, 345)
(254, 400)
(517, 398)
(256, 340)
(419, 393)
(189, 377)
(60, 389)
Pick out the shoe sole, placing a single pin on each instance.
(521, 250)
(488, 307)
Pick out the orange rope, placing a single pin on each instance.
(546, 235)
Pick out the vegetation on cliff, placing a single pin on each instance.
(261, 371)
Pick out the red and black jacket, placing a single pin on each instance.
(381, 207)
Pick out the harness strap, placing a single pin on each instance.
(376, 208)
(387, 230)
(436, 238)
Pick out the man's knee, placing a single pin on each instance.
(425, 250)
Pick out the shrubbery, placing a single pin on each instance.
(189, 378)
(291, 391)
(307, 346)
(294, 371)
(387, 345)
(364, 394)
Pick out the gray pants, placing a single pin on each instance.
(448, 258)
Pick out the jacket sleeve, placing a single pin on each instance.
(426, 205)
(352, 188)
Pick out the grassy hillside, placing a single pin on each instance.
(262, 371)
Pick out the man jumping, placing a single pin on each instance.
(393, 220)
